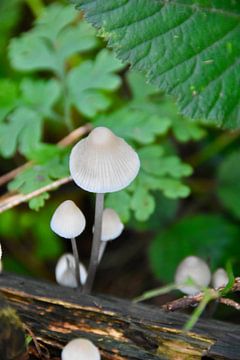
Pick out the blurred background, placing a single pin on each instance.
(56, 76)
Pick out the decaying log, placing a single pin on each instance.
(120, 329)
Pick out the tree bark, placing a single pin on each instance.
(121, 330)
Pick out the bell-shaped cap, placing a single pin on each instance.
(103, 162)
(112, 226)
(80, 349)
(195, 269)
(65, 271)
(68, 221)
(219, 278)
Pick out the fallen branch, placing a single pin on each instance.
(10, 200)
(120, 329)
(66, 141)
(194, 300)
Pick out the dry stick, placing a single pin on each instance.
(193, 300)
(68, 140)
(93, 264)
(20, 198)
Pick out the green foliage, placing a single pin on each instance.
(209, 236)
(89, 83)
(190, 49)
(229, 183)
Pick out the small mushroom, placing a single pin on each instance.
(112, 228)
(65, 271)
(195, 269)
(220, 278)
(69, 222)
(80, 349)
(102, 163)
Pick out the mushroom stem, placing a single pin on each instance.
(101, 250)
(96, 243)
(76, 258)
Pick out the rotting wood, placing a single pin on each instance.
(120, 329)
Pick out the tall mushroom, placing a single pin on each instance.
(69, 222)
(112, 228)
(102, 163)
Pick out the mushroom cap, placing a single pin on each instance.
(192, 267)
(68, 220)
(103, 162)
(80, 349)
(220, 278)
(65, 271)
(112, 226)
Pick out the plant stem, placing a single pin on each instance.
(76, 258)
(36, 7)
(96, 243)
(102, 248)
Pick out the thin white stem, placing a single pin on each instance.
(102, 248)
(76, 258)
(95, 244)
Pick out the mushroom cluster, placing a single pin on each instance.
(193, 275)
(100, 163)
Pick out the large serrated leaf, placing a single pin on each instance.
(190, 48)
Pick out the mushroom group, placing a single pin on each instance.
(100, 163)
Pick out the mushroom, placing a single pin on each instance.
(65, 271)
(69, 222)
(220, 278)
(195, 269)
(80, 349)
(112, 228)
(102, 163)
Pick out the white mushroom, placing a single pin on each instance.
(68, 222)
(102, 163)
(80, 349)
(195, 269)
(65, 271)
(112, 228)
(219, 278)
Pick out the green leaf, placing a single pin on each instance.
(175, 49)
(8, 97)
(25, 127)
(208, 236)
(119, 201)
(41, 95)
(39, 201)
(142, 203)
(141, 122)
(91, 81)
(40, 175)
(228, 188)
(153, 162)
(31, 53)
(74, 39)
(54, 19)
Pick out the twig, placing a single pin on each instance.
(15, 200)
(194, 300)
(229, 302)
(66, 141)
